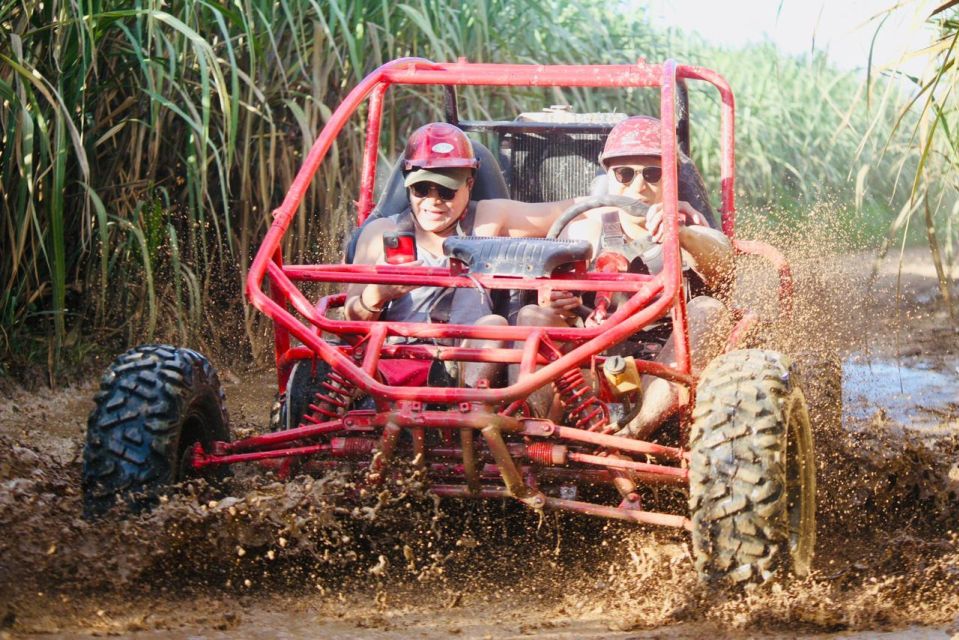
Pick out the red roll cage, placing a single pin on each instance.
(652, 296)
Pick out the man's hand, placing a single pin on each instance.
(564, 303)
(688, 216)
(379, 295)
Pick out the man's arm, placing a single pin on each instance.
(516, 219)
(366, 301)
(710, 249)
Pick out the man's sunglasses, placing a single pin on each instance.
(626, 175)
(423, 189)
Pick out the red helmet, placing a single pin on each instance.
(439, 145)
(636, 136)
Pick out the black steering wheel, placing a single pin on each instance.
(630, 206)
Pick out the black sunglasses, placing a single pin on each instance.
(423, 189)
(626, 175)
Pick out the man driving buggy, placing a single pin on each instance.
(439, 165)
(632, 159)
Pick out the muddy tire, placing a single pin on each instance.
(752, 471)
(154, 403)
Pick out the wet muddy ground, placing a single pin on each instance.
(288, 560)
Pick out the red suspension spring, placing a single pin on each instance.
(352, 447)
(583, 408)
(333, 400)
(546, 453)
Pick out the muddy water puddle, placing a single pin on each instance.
(915, 395)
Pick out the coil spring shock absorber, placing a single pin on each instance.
(546, 453)
(583, 408)
(332, 400)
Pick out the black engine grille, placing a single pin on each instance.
(546, 167)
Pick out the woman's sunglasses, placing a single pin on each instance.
(423, 189)
(626, 175)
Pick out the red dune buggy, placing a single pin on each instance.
(742, 449)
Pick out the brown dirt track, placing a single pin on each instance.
(287, 560)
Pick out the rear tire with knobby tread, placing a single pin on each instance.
(752, 472)
(154, 403)
(305, 382)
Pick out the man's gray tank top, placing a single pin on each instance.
(436, 304)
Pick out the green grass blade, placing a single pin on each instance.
(147, 265)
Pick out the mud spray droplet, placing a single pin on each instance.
(380, 567)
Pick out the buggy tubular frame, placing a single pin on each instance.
(511, 455)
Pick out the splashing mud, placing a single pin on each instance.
(265, 557)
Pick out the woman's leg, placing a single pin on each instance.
(709, 326)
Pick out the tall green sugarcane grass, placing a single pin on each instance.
(930, 118)
(145, 144)
(802, 136)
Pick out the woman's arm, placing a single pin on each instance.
(710, 250)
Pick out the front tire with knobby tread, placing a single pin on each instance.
(752, 472)
(154, 403)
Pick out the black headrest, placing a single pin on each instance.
(488, 184)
